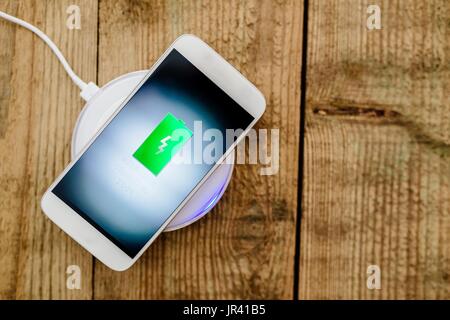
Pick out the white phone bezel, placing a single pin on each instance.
(223, 75)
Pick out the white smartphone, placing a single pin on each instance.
(149, 158)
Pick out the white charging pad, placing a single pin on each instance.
(103, 104)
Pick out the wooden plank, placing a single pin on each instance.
(245, 247)
(12, 163)
(39, 105)
(377, 155)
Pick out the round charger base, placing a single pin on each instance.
(98, 110)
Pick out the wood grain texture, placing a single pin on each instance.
(39, 105)
(377, 151)
(245, 247)
(12, 165)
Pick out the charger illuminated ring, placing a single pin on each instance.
(103, 104)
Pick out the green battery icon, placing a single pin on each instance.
(163, 143)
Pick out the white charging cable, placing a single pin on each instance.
(87, 89)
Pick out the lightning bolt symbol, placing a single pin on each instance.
(163, 144)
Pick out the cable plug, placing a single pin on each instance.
(89, 91)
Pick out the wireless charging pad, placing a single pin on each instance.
(98, 110)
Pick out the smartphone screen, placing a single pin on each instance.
(154, 152)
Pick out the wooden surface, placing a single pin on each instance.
(245, 247)
(376, 150)
(377, 161)
(39, 107)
